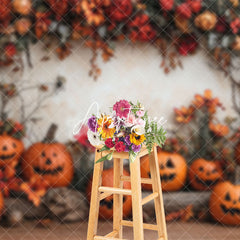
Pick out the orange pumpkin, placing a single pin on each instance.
(237, 153)
(173, 170)
(225, 203)
(49, 161)
(106, 205)
(204, 174)
(10, 150)
(22, 7)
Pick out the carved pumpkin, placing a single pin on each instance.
(106, 205)
(237, 153)
(225, 203)
(50, 161)
(173, 170)
(204, 174)
(10, 150)
(22, 7)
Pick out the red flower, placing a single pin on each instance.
(235, 25)
(184, 10)
(109, 143)
(82, 138)
(195, 5)
(120, 10)
(221, 25)
(166, 5)
(120, 147)
(10, 50)
(187, 45)
(141, 30)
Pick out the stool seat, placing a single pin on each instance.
(100, 192)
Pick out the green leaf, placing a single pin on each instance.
(104, 148)
(107, 157)
(132, 156)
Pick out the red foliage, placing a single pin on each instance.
(10, 50)
(141, 30)
(184, 10)
(195, 5)
(120, 10)
(221, 25)
(166, 5)
(187, 45)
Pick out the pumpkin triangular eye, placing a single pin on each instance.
(227, 197)
(170, 163)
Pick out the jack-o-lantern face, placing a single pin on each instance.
(204, 174)
(106, 205)
(51, 161)
(10, 149)
(225, 203)
(173, 170)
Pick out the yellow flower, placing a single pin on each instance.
(104, 122)
(137, 139)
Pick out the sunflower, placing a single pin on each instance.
(104, 129)
(137, 139)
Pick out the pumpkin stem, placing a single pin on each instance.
(50, 133)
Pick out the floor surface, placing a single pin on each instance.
(77, 231)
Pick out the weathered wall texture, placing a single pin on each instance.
(133, 74)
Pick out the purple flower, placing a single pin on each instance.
(127, 140)
(136, 148)
(126, 149)
(92, 124)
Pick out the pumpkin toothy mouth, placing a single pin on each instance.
(48, 171)
(168, 177)
(232, 211)
(6, 157)
(207, 183)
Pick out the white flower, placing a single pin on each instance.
(138, 129)
(94, 138)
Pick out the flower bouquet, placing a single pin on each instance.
(126, 129)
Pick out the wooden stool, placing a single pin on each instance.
(99, 192)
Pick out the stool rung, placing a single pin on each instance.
(149, 198)
(107, 238)
(143, 180)
(115, 190)
(104, 195)
(145, 225)
(112, 234)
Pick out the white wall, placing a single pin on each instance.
(132, 74)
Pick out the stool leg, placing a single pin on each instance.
(136, 200)
(158, 202)
(117, 198)
(94, 204)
